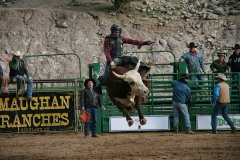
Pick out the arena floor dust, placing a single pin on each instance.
(134, 146)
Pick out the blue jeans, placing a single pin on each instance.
(93, 111)
(29, 82)
(182, 107)
(216, 109)
(117, 61)
(199, 77)
(1, 71)
(235, 78)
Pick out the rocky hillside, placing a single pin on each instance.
(61, 26)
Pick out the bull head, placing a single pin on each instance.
(134, 80)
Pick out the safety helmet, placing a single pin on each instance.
(116, 27)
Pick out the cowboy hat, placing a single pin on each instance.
(222, 53)
(237, 46)
(221, 76)
(184, 76)
(16, 53)
(192, 45)
(90, 79)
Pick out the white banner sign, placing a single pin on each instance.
(154, 123)
(204, 122)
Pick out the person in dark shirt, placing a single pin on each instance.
(17, 70)
(180, 92)
(89, 101)
(219, 65)
(234, 59)
(234, 63)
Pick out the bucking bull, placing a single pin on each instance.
(126, 87)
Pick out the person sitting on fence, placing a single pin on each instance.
(219, 65)
(4, 85)
(17, 70)
(220, 101)
(180, 92)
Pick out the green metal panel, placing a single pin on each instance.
(94, 70)
(182, 68)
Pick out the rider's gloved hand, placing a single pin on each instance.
(148, 42)
(112, 64)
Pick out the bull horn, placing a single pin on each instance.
(137, 66)
(119, 75)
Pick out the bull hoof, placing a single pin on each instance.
(143, 121)
(130, 123)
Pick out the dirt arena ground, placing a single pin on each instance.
(134, 146)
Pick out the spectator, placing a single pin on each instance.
(219, 66)
(221, 99)
(113, 49)
(17, 70)
(234, 63)
(4, 85)
(89, 101)
(180, 93)
(194, 62)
